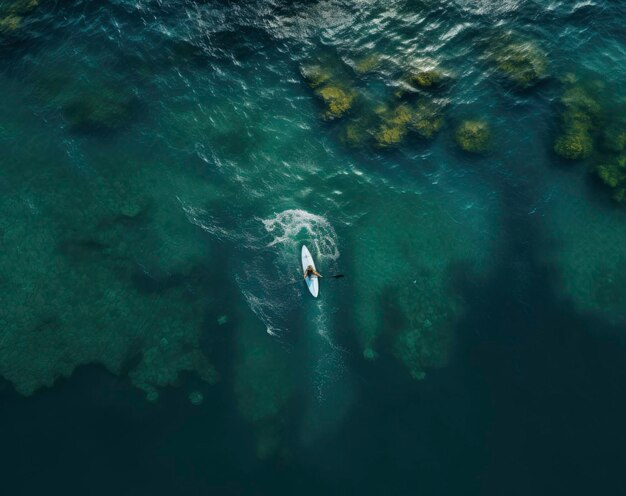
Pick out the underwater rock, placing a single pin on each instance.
(426, 79)
(332, 85)
(424, 118)
(161, 364)
(521, 63)
(394, 127)
(370, 354)
(427, 119)
(337, 101)
(579, 100)
(196, 398)
(580, 113)
(613, 174)
(615, 140)
(575, 143)
(473, 136)
(428, 312)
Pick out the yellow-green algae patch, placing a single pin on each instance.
(522, 63)
(612, 172)
(427, 78)
(332, 85)
(427, 119)
(580, 114)
(337, 100)
(394, 125)
(610, 164)
(13, 12)
(423, 117)
(10, 23)
(473, 136)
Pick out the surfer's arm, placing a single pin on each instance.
(305, 273)
(315, 272)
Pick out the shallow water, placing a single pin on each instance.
(162, 165)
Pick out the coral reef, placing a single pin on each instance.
(521, 63)
(196, 398)
(100, 271)
(613, 174)
(13, 12)
(426, 79)
(406, 307)
(394, 126)
(473, 136)
(575, 143)
(337, 100)
(315, 75)
(580, 114)
(424, 338)
(427, 119)
(423, 117)
(330, 81)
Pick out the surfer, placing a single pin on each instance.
(310, 271)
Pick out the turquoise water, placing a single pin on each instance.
(162, 165)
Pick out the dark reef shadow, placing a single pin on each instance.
(552, 378)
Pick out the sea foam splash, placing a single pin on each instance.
(269, 280)
(292, 227)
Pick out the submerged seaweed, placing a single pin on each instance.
(332, 86)
(78, 294)
(473, 136)
(12, 13)
(522, 63)
(580, 117)
(423, 118)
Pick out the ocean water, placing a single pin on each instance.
(164, 162)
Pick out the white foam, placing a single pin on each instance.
(292, 228)
(489, 7)
(269, 281)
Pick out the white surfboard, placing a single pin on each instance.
(311, 281)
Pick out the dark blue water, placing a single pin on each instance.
(162, 165)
